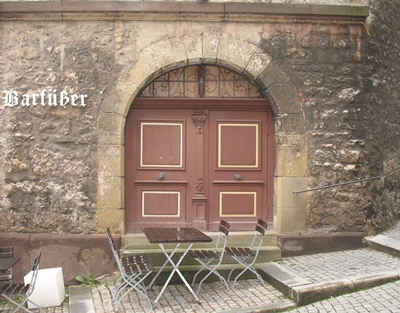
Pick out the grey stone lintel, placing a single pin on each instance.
(17, 9)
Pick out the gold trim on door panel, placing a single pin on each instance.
(177, 193)
(222, 193)
(220, 165)
(180, 165)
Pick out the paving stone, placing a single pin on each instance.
(250, 296)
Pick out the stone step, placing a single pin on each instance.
(80, 300)
(236, 238)
(384, 244)
(303, 291)
(138, 243)
(302, 244)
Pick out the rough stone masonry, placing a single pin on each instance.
(347, 82)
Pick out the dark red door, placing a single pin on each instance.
(194, 167)
(239, 176)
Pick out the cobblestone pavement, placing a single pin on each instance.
(345, 264)
(214, 297)
(394, 232)
(324, 267)
(250, 296)
(64, 308)
(382, 299)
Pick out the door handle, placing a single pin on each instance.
(238, 176)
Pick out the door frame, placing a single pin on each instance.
(200, 105)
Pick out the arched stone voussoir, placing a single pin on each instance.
(153, 61)
(210, 47)
(111, 124)
(236, 53)
(116, 98)
(285, 99)
(258, 62)
(187, 47)
(272, 74)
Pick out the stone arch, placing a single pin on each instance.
(238, 55)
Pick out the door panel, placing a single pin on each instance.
(238, 168)
(156, 172)
(237, 145)
(238, 203)
(161, 144)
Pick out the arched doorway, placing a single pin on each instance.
(199, 148)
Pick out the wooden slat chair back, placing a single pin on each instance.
(211, 259)
(6, 275)
(247, 256)
(15, 292)
(134, 270)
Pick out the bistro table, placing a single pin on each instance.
(175, 236)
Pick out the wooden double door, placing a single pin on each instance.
(194, 167)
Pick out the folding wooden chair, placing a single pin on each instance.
(15, 292)
(134, 270)
(247, 256)
(6, 275)
(212, 259)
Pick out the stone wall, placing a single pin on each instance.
(53, 179)
(354, 128)
(381, 78)
(364, 135)
(81, 255)
(48, 154)
(325, 63)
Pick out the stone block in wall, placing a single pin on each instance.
(76, 254)
(153, 60)
(302, 244)
(123, 94)
(109, 189)
(257, 64)
(291, 155)
(272, 74)
(285, 99)
(290, 220)
(111, 161)
(109, 139)
(237, 51)
(291, 123)
(108, 124)
(187, 48)
(284, 188)
(210, 47)
(290, 210)
(112, 218)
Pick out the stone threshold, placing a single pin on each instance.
(303, 291)
(302, 244)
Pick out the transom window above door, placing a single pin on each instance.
(201, 81)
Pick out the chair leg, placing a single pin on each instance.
(134, 283)
(212, 270)
(195, 276)
(21, 305)
(37, 306)
(232, 270)
(246, 267)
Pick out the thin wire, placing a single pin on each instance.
(347, 183)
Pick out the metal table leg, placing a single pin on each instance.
(175, 269)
